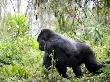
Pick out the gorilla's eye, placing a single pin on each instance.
(44, 38)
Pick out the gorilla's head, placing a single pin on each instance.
(45, 35)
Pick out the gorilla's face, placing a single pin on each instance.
(44, 36)
(42, 45)
(41, 40)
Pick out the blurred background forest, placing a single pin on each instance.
(21, 22)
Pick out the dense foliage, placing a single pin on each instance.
(21, 60)
(19, 55)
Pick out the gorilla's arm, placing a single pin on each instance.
(47, 60)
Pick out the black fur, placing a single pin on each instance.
(68, 53)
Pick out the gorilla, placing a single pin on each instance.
(67, 53)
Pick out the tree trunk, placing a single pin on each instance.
(18, 6)
(0, 12)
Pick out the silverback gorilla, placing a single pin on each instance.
(67, 53)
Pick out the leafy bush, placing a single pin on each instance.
(12, 26)
(19, 55)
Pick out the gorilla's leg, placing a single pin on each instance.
(92, 65)
(74, 63)
(61, 69)
(77, 70)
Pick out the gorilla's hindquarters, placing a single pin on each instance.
(92, 65)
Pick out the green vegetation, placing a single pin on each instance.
(21, 60)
